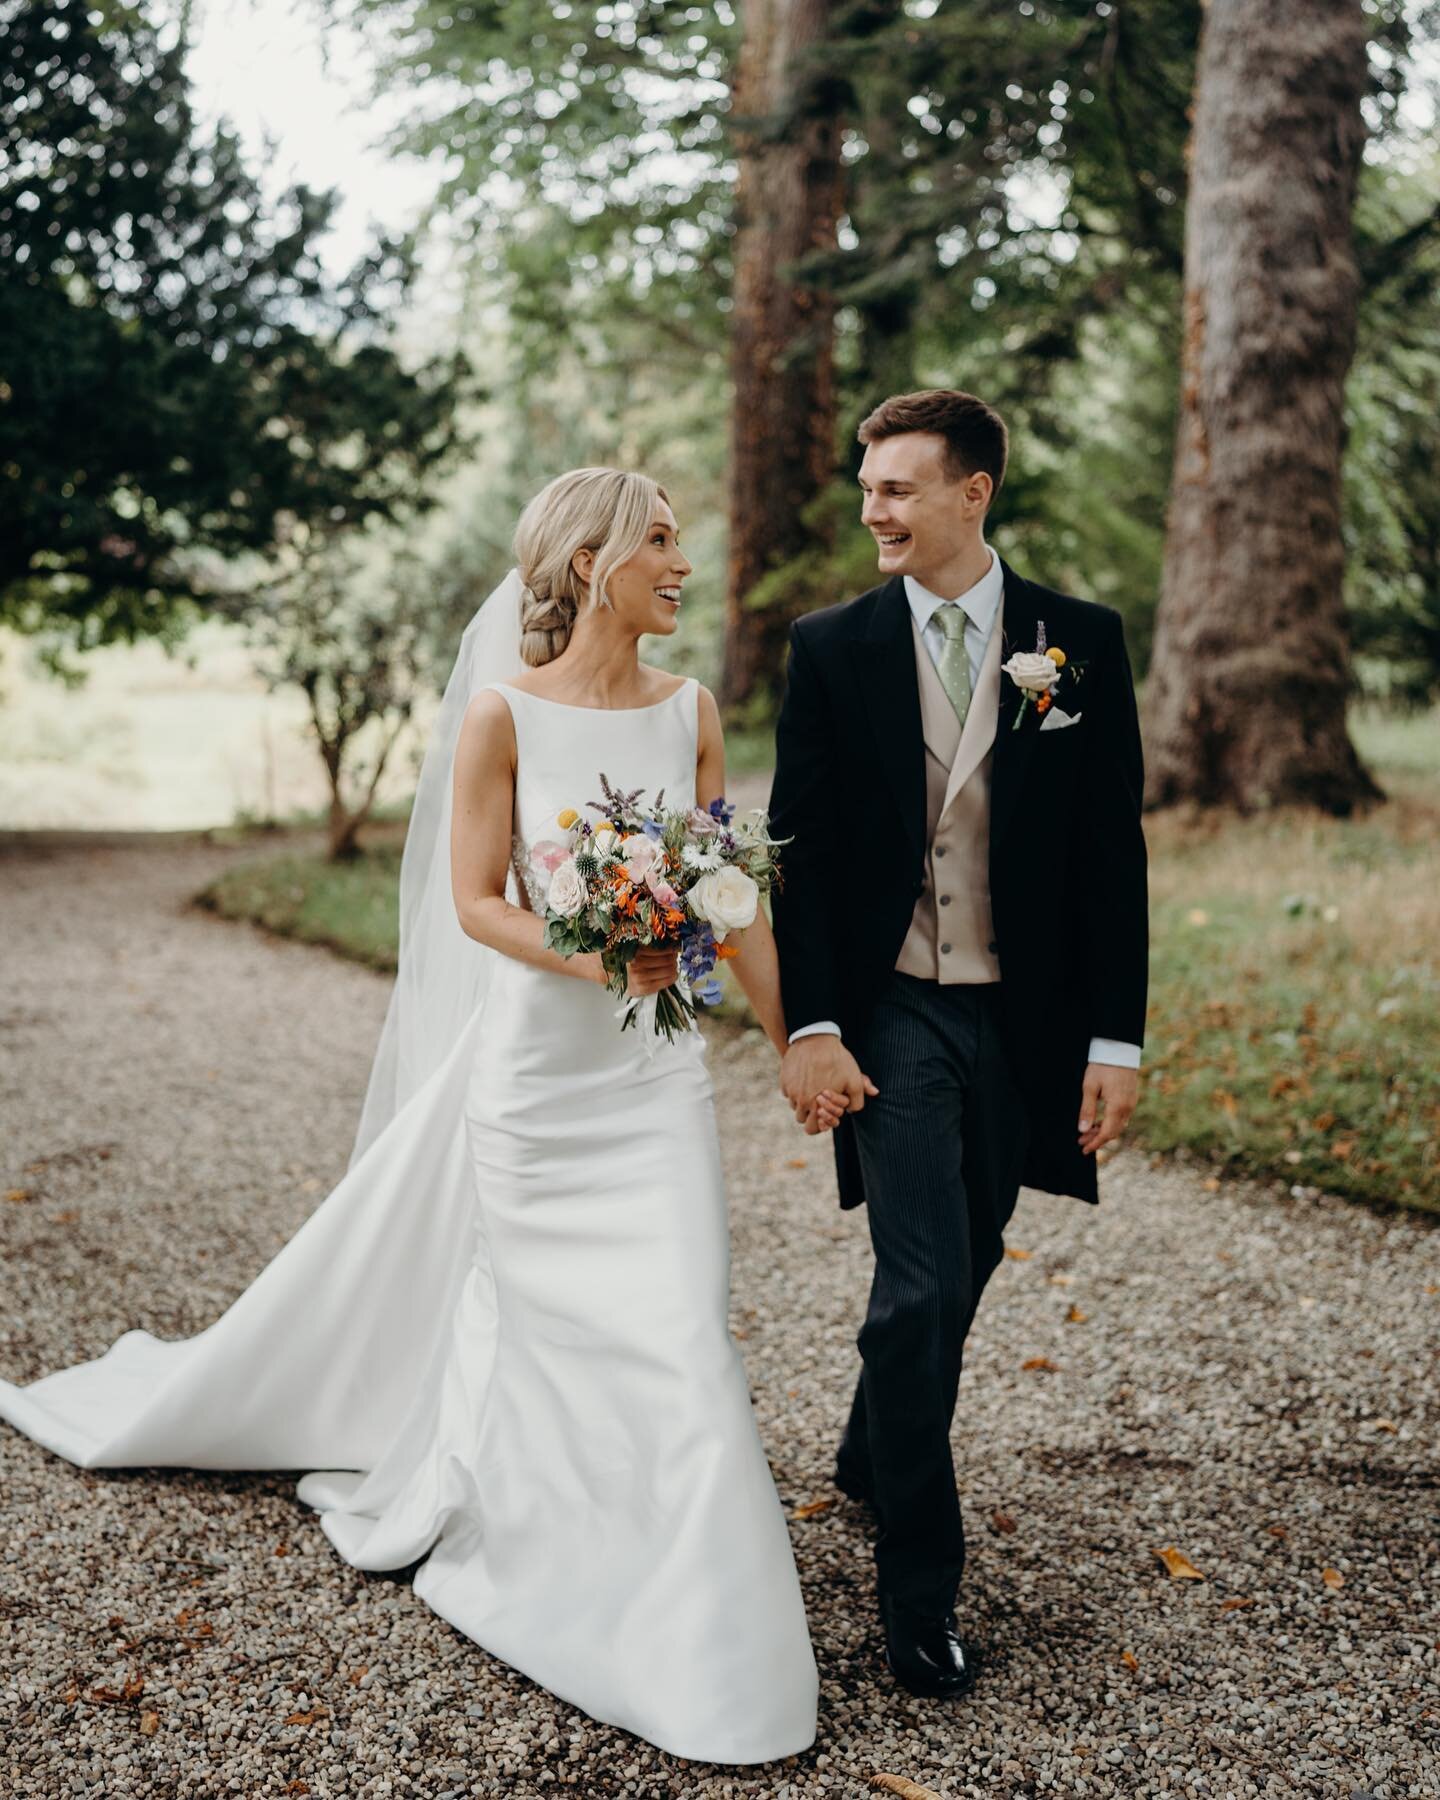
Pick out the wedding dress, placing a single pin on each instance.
(501, 1342)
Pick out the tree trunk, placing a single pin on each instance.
(1250, 673)
(787, 204)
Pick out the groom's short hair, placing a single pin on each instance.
(974, 433)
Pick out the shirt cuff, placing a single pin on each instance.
(1111, 1050)
(813, 1030)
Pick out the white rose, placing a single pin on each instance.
(567, 894)
(1032, 671)
(727, 900)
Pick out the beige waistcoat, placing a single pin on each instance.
(952, 933)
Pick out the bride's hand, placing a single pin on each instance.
(652, 970)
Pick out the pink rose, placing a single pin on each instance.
(640, 854)
(661, 888)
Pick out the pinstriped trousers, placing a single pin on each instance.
(941, 1149)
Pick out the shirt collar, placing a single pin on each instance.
(980, 601)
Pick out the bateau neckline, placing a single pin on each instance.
(566, 705)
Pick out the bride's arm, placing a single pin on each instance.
(481, 829)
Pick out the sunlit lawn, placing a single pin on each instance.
(1294, 1024)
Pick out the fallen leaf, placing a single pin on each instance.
(312, 1717)
(297, 1787)
(358, 1675)
(19, 1194)
(149, 1724)
(1130, 1660)
(1384, 1424)
(1323, 1121)
(798, 1162)
(1019, 1255)
(1343, 1149)
(1179, 1565)
(1003, 1522)
(1075, 1316)
(907, 1790)
(1040, 1362)
(1234, 1603)
(1332, 1578)
(1211, 1184)
(811, 1508)
(282, 1548)
(1061, 1280)
(1276, 1530)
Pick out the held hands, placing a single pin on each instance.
(822, 1081)
(1107, 1099)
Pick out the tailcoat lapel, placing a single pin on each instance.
(1013, 749)
(884, 655)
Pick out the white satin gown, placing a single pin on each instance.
(501, 1344)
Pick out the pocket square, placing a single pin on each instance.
(1055, 720)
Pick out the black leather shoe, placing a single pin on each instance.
(925, 1654)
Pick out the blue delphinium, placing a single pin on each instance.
(698, 955)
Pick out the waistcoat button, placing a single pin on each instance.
(939, 849)
(944, 899)
(944, 949)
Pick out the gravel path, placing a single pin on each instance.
(1245, 1375)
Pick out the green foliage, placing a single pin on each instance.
(178, 380)
(1392, 473)
(349, 621)
(350, 907)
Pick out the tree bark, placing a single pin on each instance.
(1250, 672)
(787, 204)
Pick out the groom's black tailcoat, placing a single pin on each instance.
(1067, 860)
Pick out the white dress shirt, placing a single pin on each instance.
(981, 604)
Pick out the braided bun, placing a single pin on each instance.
(606, 511)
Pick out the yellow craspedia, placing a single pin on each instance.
(1056, 655)
(567, 818)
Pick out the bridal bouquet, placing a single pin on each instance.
(638, 876)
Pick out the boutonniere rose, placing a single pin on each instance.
(1037, 675)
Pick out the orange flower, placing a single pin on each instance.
(725, 951)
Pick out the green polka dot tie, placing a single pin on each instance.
(953, 667)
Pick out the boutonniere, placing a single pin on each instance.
(1038, 674)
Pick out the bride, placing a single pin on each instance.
(500, 1344)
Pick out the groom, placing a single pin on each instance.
(963, 944)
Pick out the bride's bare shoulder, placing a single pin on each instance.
(488, 724)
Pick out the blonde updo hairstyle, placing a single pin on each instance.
(608, 511)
